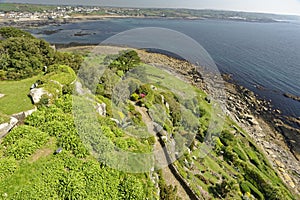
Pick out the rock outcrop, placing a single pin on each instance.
(14, 120)
(36, 94)
(6, 127)
(101, 109)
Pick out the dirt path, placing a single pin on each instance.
(42, 152)
(161, 157)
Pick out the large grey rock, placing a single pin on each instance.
(101, 109)
(36, 94)
(6, 127)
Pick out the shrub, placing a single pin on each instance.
(240, 153)
(23, 141)
(8, 32)
(125, 61)
(8, 166)
(253, 189)
(134, 97)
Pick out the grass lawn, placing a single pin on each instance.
(15, 99)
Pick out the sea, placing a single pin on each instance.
(263, 57)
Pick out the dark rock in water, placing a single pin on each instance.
(81, 34)
(227, 77)
(259, 87)
(291, 96)
(49, 32)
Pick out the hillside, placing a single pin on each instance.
(110, 132)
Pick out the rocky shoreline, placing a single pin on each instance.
(291, 96)
(75, 19)
(266, 126)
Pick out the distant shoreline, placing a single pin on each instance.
(86, 18)
(77, 19)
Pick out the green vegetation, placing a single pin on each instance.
(23, 141)
(10, 32)
(24, 7)
(22, 56)
(30, 168)
(3, 118)
(243, 169)
(125, 61)
(78, 179)
(167, 192)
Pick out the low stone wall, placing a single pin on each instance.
(5, 128)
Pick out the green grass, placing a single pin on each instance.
(16, 96)
(167, 80)
(3, 118)
(24, 7)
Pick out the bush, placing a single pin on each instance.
(23, 141)
(131, 188)
(134, 97)
(8, 166)
(125, 61)
(8, 32)
(227, 138)
(167, 192)
(253, 157)
(254, 190)
(240, 153)
(24, 57)
(222, 189)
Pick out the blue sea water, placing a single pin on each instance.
(257, 54)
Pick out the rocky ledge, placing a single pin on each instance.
(291, 96)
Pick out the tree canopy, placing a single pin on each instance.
(23, 56)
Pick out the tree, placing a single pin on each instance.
(8, 32)
(223, 189)
(22, 57)
(125, 61)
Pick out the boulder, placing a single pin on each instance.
(251, 119)
(115, 120)
(6, 127)
(101, 109)
(36, 94)
(167, 106)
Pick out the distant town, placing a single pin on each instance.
(56, 13)
(26, 12)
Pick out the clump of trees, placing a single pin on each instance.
(125, 61)
(8, 32)
(23, 56)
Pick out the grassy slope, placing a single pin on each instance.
(15, 99)
(24, 7)
(206, 172)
